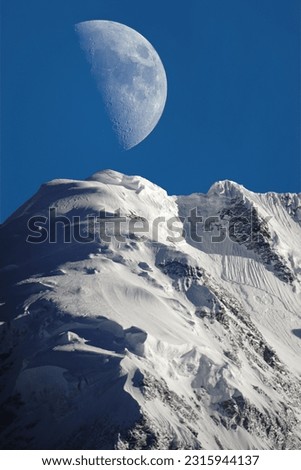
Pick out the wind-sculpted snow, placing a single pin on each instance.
(152, 340)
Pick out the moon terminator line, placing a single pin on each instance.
(129, 75)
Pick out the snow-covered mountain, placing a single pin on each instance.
(181, 331)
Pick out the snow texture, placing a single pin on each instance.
(152, 343)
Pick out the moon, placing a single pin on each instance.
(129, 75)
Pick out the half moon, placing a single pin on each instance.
(130, 77)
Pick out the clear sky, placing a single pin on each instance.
(233, 106)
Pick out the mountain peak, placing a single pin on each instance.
(227, 188)
(107, 176)
(131, 182)
(171, 323)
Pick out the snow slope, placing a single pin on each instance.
(153, 339)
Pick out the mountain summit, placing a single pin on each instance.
(131, 319)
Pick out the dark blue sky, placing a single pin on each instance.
(233, 107)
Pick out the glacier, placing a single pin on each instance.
(160, 339)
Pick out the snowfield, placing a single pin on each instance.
(153, 340)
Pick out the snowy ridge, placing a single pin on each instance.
(155, 341)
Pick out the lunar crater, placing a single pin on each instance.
(129, 75)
